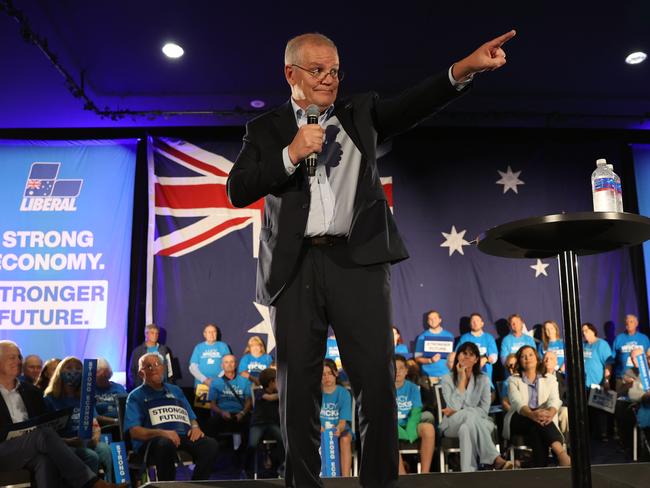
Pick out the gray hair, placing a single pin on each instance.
(149, 354)
(102, 363)
(6, 343)
(293, 51)
(151, 326)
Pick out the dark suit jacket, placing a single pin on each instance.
(259, 172)
(33, 399)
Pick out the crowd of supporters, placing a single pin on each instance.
(486, 397)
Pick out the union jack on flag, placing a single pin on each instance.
(194, 195)
(33, 184)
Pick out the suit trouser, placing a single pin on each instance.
(328, 289)
(49, 459)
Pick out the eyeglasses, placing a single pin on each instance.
(320, 74)
(152, 366)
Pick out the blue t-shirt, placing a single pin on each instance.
(137, 409)
(511, 344)
(408, 398)
(224, 396)
(335, 406)
(106, 399)
(254, 365)
(402, 350)
(596, 355)
(556, 346)
(208, 357)
(71, 428)
(486, 346)
(444, 338)
(623, 346)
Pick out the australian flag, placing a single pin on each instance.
(42, 182)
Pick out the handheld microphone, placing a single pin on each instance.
(312, 113)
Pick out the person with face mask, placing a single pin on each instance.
(64, 391)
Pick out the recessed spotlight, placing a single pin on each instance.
(258, 103)
(636, 57)
(172, 50)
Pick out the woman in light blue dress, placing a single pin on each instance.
(466, 391)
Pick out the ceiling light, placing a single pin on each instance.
(172, 50)
(258, 103)
(636, 57)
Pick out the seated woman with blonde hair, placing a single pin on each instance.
(466, 391)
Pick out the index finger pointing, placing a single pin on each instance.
(501, 40)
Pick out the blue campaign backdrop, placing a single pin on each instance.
(65, 244)
(446, 189)
(642, 175)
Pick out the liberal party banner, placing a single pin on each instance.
(65, 239)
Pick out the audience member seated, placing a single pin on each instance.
(516, 339)
(265, 421)
(486, 344)
(624, 344)
(336, 413)
(642, 397)
(511, 368)
(598, 361)
(466, 391)
(32, 366)
(535, 400)
(205, 363)
(148, 424)
(231, 403)
(552, 341)
(427, 395)
(150, 344)
(433, 364)
(409, 408)
(255, 360)
(46, 373)
(64, 391)
(106, 393)
(631, 391)
(550, 367)
(400, 348)
(40, 451)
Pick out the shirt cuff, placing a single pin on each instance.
(459, 85)
(288, 165)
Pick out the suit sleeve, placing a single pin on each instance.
(257, 171)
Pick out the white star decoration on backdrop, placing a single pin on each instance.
(509, 180)
(540, 268)
(454, 241)
(264, 327)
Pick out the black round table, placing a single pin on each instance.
(568, 236)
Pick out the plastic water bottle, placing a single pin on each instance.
(618, 188)
(603, 188)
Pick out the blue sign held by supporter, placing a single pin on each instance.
(644, 374)
(87, 404)
(120, 464)
(329, 454)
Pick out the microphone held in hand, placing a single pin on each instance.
(312, 113)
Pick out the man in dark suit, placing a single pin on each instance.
(40, 451)
(327, 241)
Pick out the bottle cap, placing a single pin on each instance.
(601, 161)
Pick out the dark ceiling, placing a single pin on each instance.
(565, 67)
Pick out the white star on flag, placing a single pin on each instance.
(540, 268)
(264, 327)
(509, 180)
(454, 241)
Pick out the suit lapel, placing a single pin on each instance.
(285, 122)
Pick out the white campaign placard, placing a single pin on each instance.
(604, 400)
(168, 413)
(438, 346)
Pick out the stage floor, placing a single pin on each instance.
(630, 475)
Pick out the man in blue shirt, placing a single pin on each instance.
(624, 343)
(433, 346)
(486, 344)
(158, 414)
(205, 363)
(231, 403)
(516, 339)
